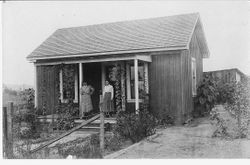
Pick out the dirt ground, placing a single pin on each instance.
(192, 141)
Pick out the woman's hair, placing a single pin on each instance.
(84, 82)
(107, 81)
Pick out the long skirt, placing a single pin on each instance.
(108, 105)
(86, 104)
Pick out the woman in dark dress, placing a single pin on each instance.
(108, 95)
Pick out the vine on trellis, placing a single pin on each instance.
(115, 75)
(66, 111)
(44, 103)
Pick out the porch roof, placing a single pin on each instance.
(146, 35)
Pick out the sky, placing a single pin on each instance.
(27, 24)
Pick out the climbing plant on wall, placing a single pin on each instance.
(44, 86)
(67, 109)
(123, 88)
(115, 76)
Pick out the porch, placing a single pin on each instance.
(132, 79)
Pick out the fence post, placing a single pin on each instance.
(5, 132)
(8, 128)
(102, 128)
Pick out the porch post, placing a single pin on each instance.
(76, 87)
(35, 85)
(103, 76)
(136, 86)
(80, 83)
(61, 85)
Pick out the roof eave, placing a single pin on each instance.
(33, 59)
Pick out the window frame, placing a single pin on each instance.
(63, 100)
(128, 80)
(194, 76)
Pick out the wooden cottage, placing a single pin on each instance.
(227, 75)
(161, 56)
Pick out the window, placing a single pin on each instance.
(142, 71)
(63, 93)
(132, 79)
(193, 76)
(237, 77)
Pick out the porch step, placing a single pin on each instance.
(98, 121)
(90, 128)
(95, 125)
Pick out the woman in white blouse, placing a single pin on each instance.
(108, 95)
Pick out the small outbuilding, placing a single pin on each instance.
(227, 75)
(162, 57)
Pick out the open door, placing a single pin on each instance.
(92, 74)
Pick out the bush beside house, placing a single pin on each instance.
(235, 98)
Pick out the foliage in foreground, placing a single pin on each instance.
(135, 126)
(239, 107)
(26, 115)
(90, 147)
(219, 123)
(206, 96)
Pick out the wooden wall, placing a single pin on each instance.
(165, 84)
(224, 76)
(171, 81)
(187, 99)
(46, 86)
(194, 51)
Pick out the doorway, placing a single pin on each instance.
(92, 75)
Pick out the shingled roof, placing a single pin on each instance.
(145, 35)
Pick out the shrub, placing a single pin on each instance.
(239, 107)
(113, 142)
(225, 92)
(27, 115)
(135, 126)
(206, 96)
(30, 130)
(65, 121)
(219, 123)
(88, 149)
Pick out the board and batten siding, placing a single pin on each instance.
(187, 55)
(165, 84)
(194, 51)
(46, 88)
(170, 76)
